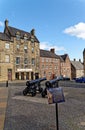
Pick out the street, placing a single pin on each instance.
(34, 113)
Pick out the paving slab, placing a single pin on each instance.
(3, 105)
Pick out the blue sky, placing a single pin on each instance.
(58, 24)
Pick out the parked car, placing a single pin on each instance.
(80, 80)
(63, 78)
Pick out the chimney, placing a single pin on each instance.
(74, 59)
(32, 32)
(52, 50)
(80, 60)
(84, 51)
(6, 23)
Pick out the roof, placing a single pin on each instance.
(77, 64)
(63, 57)
(3, 37)
(13, 32)
(49, 54)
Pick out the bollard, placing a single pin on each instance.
(7, 83)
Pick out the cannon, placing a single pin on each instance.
(33, 86)
(49, 84)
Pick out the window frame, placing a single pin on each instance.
(7, 58)
(17, 60)
(7, 46)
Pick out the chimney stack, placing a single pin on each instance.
(32, 32)
(79, 60)
(74, 59)
(52, 50)
(6, 23)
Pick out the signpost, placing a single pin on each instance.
(55, 95)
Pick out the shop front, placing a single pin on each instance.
(24, 74)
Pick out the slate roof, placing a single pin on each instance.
(49, 54)
(3, 37)
(63, 57)
(14, 31)
(77, 64)
(11, 32)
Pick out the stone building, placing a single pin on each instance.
(77, 69)
(65, 66)
(19, 54)
(84, 60)
(49, 64)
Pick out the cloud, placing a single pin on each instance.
(43, 45)
(46, 45)
(77, 30)
(1, 24)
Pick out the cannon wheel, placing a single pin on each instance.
(33, 94)
(43, 94)
(25, 91)
(40, 90)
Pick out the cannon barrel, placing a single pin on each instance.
(42, 79)
(33, 82)
(52, 83)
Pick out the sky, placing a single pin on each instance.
(58, 24)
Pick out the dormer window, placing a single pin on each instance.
(25, 37)
(32, 40)
(18, 35)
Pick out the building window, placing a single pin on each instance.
(7, 45)
(0, 70)
(32, 50)
(18, 37)
(46, 59)
(7, 58)
(32, 40)
(25, 48)
(0, 57)
(25, 38)
(42, 66)
(25, 60)
(17, 60)
(33, 61)
(18, 46)
(42, 59)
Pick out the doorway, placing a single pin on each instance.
(22, 75)
(9, 74)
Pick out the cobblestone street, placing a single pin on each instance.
(34, 113)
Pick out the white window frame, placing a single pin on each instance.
(7, 45)
(7, 58)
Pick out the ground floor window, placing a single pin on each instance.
(32, 75)
(36, 75)
(27, 75)
(17, 75)
(22, 75)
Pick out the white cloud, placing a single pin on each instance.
(1, 24)
(77, 30)
(43, 45)
(46, 45)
